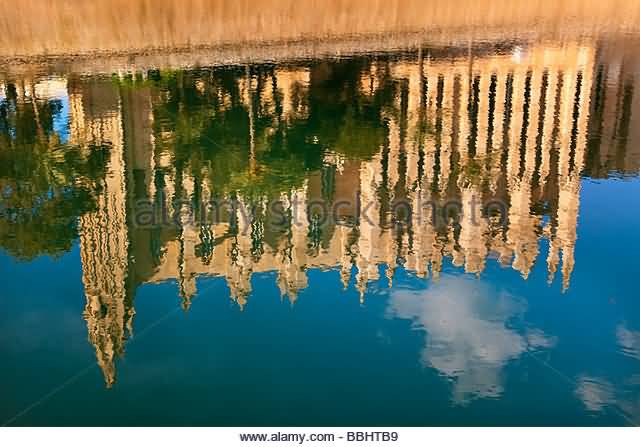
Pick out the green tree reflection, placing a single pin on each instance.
(45, 184)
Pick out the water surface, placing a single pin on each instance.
(427, 235)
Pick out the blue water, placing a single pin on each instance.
(559, 358)
(104, 321)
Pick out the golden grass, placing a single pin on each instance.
(40, 27)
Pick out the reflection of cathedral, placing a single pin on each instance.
(103, 239)
(514, 128)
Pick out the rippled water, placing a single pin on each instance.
(433, 234)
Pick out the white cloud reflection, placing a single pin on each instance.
(594, 392)
(629, 341)
(468, 336)
(597, 394)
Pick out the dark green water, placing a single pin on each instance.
(433, 237)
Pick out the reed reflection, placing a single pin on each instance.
(380, 135)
